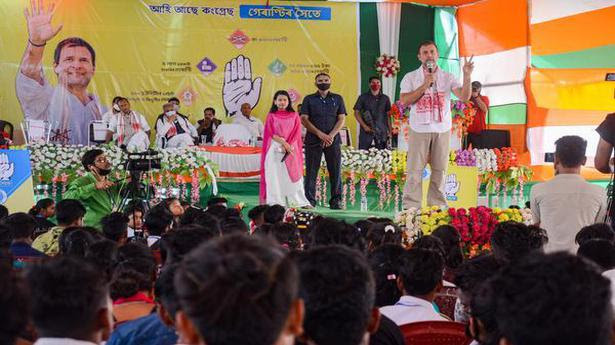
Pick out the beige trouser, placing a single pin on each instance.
(423, 148)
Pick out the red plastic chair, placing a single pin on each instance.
(435, 333)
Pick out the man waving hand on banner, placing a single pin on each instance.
(428, 91)
(68, 107)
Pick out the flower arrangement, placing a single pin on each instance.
(57, 165)
(398, 115)
(463, 115)
(387, 65)
(475, 225)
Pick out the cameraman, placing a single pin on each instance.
(603, 161)
(94, 189)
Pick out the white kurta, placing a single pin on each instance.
(280, 189)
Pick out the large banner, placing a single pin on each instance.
(65, 64)
(16, 190)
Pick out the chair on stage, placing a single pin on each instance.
(7, 127)
(345, 137)
(435, 333)
(97, 132)
(232, 135)
(36, 131)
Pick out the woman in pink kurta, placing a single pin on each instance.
(282, 156)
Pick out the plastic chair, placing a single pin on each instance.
(7, 127)
(345, 137)
(97, 132)
(435, 333)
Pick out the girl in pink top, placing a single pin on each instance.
(282, 157)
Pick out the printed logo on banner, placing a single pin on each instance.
(295, 96)
(451, 187)
(239, 39)
(284, 12)
(277, 67)
(14, 171)
(206, 66)
(7, 168)
(187, 96)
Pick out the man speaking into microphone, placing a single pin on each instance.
(427, 90)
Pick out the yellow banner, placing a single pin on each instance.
(460, 186)
(213, 53)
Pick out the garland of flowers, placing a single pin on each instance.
(352, 188)
(463, 115)
(387, 65)
(344, 192)
(398, 115)
(363, 189)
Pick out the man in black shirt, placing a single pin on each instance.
(322, 114)
(372, 112)
(207, 126)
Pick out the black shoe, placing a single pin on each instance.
(335, 206)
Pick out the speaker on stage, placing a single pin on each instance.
(490, 139)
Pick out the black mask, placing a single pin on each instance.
(104, 172)
(323, 86)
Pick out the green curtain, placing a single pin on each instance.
(368, 42)
(416, 25)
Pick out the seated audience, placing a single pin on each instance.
(274, 214)
(69, 301)
(238, 290)
(420, 278)
(287, 235)
(567, 202)
(155, 328)
(337, 287)
(233, 225)
(157, 221)
(257, 216)
(134, 211)
(115, 227)
(451, 241)
(552, 299)
(512, 241)
(42, 211)
(600, 252)
(175, 244)
(469, 276)
(131, 289)
(69, 212)
(104, 255)
(75, 241)
(22, 227)
(596, 231)
(382, 233)
(14, 306)
(173, 130)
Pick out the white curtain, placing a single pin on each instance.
(389, 15)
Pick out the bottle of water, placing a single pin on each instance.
(363, 203)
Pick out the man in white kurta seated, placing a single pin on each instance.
(174, 130)
(252, 124)
(129, 128)
(420, 279)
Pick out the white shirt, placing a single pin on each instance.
(163, 126)
(68, 117)
(61, 341)
(115, 122)
(254, 125)
(106, 118)
(432, 112)
(565, 204)
(610, 275)
(411, 309)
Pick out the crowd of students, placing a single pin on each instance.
(177, 274)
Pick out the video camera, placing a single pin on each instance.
(143, 161)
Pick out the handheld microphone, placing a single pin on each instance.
(430, 67)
